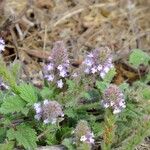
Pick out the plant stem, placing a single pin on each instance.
(109, 130)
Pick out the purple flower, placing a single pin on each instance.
(49, 77)
(62, 70)
(98, 61)
(63, 73)
(38, 109)
(59, 54)
(83, 133)
(48, 111)
(58, 65)
(2, 45)
(49, 67)
(113, 98)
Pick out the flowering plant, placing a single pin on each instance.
(73, 112)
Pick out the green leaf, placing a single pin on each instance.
(2, 134)
(47, 93)
(138, 57)
(101, 85)
(71, 85)
(98, 128)
(12, 104)
(70, 112)
(15, 68)
(68, 143)
(110, 75)
(124, 86)
(27, 93)
(146, 93)
(26, 136)
(7, 76)
(25, 111)
(11, 134)
(86, 95)
(7, 146)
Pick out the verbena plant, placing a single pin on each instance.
(78, 108)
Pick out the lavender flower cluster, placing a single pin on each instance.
(49, 111)
(58, 66)
(2, 45)
(113, 98)
(99, 61)
(83, 133)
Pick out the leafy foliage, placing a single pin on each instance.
(7, 146)
(24, 135)
(27, 93)
(12, 104)
(138, 57)
(80, 100)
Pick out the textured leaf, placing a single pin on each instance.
(2, 134)
(68, 143)
(47, 93)
(70, 113)
(7, 76)
(11, 134)
(7, 146)
(146, 93)
(110, 75)
(101, 85)
(12, 104)
(26, 136)
(15, 69)
(27, 93)
(71, 85)
(138, 57)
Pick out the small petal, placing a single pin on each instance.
(49, 77)
(60, 83)
(88, 62)
(62, 115)
(99, 68)
(50, 67)
(91, 140)
(106, 69)
(90, 55)
(87, 70)
(105, 104)
(60, 67)
(53, 121)
(37, 107)
(93, 70)
(2, 44)
(112, 103)
(102, 74)
(63, 73)
(46, 121)
(116, 111)
(37, 117)
(46, 102)
(75, 75)
(83, 138)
